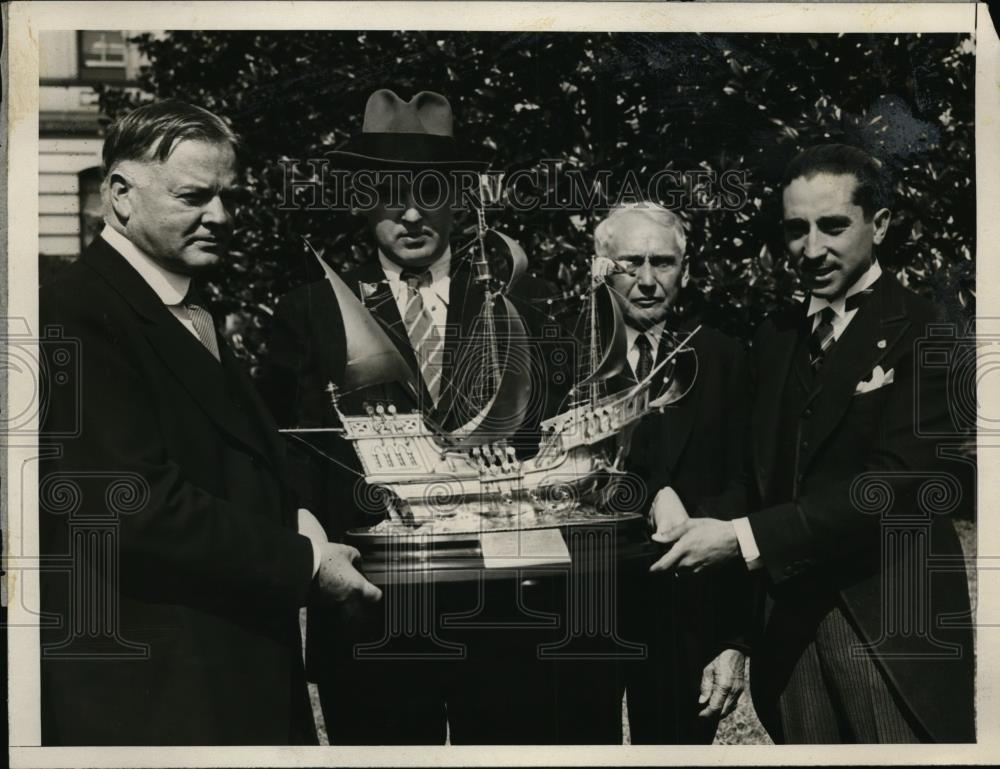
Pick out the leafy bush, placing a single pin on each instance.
(593, 102)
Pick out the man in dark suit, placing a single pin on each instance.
(845, 424)
(689, 457)
(177, 573)
(427, 300)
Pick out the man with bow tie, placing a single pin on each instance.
(426, 299)
(695, 630)
(863, 640)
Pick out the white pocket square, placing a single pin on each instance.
(879, 378)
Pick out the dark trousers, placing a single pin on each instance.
(655, 660)
(662, 690)
(470, 671)
(663, 706)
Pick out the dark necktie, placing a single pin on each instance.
(425, 339)
(202, 321)
(645, 363)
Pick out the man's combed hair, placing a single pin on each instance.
(151, 132)
(656, 213)
(873, 191)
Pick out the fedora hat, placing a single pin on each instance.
(406, 134)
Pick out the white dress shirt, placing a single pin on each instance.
(435, 295)
(842, 316)
(172, 288)
(841, 320)
(652, 334)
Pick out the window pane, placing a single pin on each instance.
(102, 55)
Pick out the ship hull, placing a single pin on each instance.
(596, 544)
(427, 485)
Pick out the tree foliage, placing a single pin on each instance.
(597, 102)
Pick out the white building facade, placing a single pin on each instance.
(71, 63)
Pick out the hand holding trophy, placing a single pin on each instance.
(669, 516)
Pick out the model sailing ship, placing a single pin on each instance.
(469, 479)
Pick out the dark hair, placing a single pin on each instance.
(872, 191)
(153, 130)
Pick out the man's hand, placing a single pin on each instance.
(338, 579)
(722, 684)
(700, 543)
(668, 514)
(601, 267)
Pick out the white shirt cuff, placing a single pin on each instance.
(310, 528)
(748, 545)
(317, 557)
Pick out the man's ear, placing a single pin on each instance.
(119, 187)
(685, 273)
(881, 224)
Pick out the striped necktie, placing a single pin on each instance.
(822, 337)
(202, 322)
(425, 338)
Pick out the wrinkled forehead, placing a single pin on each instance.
(201, 162)
(635, 232)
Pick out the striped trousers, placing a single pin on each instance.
(835, 693)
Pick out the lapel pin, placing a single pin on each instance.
(881, 344)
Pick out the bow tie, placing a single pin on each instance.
(415, 278)
(853, 302)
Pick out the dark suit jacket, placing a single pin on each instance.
(861, 464)
(697, 447)
(176, 470)
(307, 352)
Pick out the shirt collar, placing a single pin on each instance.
(839, 305)
(653, 334)
(171, 287)
(439, 270)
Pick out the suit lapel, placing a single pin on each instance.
(377, 297)
(773, 363)
(856, 353)
(186, 358)
(678, 419)
(247, 395)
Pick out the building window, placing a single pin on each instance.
(102, 56)
(91, 215)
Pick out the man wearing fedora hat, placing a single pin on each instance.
(406, 166)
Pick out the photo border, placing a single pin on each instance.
(26, 20)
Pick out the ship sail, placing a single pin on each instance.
(684, 374)
(609, 343)
(513, 261)
(372, 358)
(508, 391)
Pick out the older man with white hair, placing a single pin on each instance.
(690, 458)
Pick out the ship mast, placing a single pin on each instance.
(595, 342)
(483, 276)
